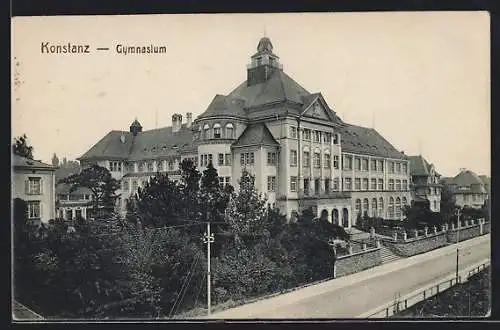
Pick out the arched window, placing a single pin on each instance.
(405, 202)
(381, 206)
(358, 207)
(365, 206)
(398, 207)
(217, 131)
(374, 207)
(206, 132)
(391, 207)
(229, 131)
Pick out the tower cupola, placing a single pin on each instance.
(263, 63)
(136, 127)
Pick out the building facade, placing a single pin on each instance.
(425, 186)
(301, 153)
(72, 205)
(467, 189)
(34, 182)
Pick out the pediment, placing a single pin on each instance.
(317, 108)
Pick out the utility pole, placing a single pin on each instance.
(208, 238)
(458, 233)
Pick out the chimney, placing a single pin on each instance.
(189, 119)
(176, 122)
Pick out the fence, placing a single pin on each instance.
(401, 304)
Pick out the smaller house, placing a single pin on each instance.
(75, 204)
(34, 182)
(425, 187)
(467, 189)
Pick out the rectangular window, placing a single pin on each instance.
(364, 164)
(336, 138)
(347, 162)
(247, 158)
(357, 164)
(115, 166)
(159, 165)
(391, 184)
(398, 167)
(380, 165)
(293, 157)
(327, 185)
(391, 167)
(373, 165)
(373, 184)
(327, 137)
(336, 162)
(34, 210)
(405, 185)
(398, 185)
(150, 167)
(124, 187)
(171, 165)
(307, 160)
(134, 185)
(405, 168)
(293, 183)
(210, 160)
(217, 132)
(221, 159)
(293, 132)
(271, 158)
(380, 184)
(357, 184)
(317, 160)
(327, 161)
(34, 186)
(336, 184)
(347, 184)
(307, 134)
(227, 160)
(271, 183)
(317, 136)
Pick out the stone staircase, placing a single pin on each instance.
(356, 234)
(387, 255)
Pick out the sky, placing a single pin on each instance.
(421, 79)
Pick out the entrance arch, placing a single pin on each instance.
(345, 217)
(324, 215)
(335, 216)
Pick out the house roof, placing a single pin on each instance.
(225, 106)
(64, 189)
(151, 144)
(486, 180)
(23, 162)
(63, 172)
(363, 140)
(256, 134)
(468, 180)
(278, 88)
(420, 166)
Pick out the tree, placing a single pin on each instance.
(22, 148)
(55, 160)
(102, 185)
(190, 188)
(158, 203)
(247, 212)
(447, 207)
(213, 198)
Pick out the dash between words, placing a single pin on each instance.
(73, 48)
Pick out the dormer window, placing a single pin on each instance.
(206, 132)
(217, 131)
(229, 131)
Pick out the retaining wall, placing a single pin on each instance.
(413, 246)
(356, 262)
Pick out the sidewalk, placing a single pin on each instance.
(335, 284)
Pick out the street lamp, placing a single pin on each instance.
(207, 239)
(458, 233)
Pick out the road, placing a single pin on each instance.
(353, 295)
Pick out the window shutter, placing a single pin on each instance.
(27, 187)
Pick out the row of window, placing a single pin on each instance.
(216, 131)
(314, 135)
(115, 166)
(474, 197)
(394, 206)
(375, 165)
(362, 184)
(317, 182)
(327, 161)
(161, 166)
(73, 197)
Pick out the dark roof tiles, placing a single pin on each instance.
(256, 134)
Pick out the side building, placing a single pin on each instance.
(34, 182)
(425, 186)
(467, 189)
(301, 153)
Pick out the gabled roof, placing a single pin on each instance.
(23, 162)
(279, 87)
(225, 106)
(363, 140)
(486, 180)
(256, 134)
(151, 144)
(420, 166)
(468, 180)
